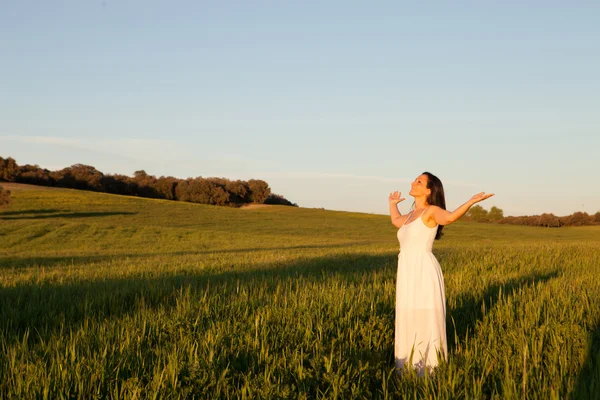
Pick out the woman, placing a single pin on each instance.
(420, 332)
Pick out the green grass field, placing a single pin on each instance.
(104, 296)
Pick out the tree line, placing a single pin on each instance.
(214, 191)
(496, 215)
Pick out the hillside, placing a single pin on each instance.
(55, 220)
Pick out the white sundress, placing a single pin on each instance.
(420, 300)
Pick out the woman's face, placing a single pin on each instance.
(419, 186)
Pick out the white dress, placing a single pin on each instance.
(420, 300)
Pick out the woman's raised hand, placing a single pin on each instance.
(396, 198)
(480, 197)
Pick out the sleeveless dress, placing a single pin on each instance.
(420, 300)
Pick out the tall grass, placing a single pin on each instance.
(104, 296)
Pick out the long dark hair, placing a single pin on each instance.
(436, 197)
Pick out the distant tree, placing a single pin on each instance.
(146, 184)
(478, 213)
(511, 220)
(34, 175)
(4, 196)
(532, 220)
(259, 190)
(201, 190)
(219, 196)
(280, 200)
(552, 221)
(578, 219)
(182, 191)
(218, 181)
(239, 191)
(597, 218)
(140, 174)
(548, 221)
(495, 214)
(165, 187)
(119, 184)
(206, 191)
(64, 178)
(87, 177)
(78, 176)
(8, 169)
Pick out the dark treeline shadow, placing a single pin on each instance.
(48, 215)
(588, 381)
(469, 306)
(73, 260)
(34, 212)
(462, 320)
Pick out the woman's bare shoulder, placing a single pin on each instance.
(432, 209)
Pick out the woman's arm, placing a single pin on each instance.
(445, 217)
(395, 216)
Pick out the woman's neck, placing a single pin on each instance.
(420, 203)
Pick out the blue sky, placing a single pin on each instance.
(335, 104)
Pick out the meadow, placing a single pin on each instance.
(106, 296)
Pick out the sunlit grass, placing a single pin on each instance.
(110, 296)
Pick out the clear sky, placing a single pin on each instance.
(334, 103)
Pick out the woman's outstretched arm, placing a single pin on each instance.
(445, 217)
(396, 217)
